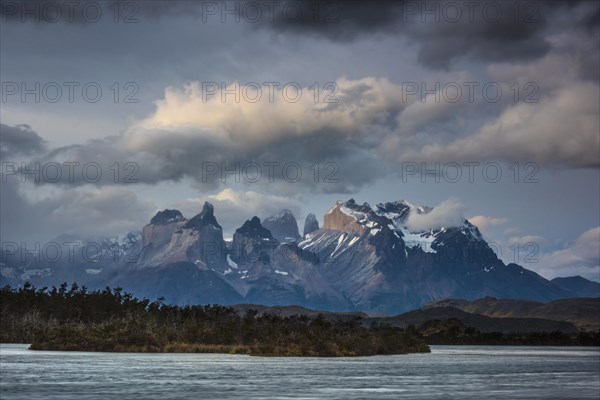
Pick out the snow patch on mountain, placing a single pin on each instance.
(92, 271)
(342, 246)
(357, 215)
(422, 240)
(231, 263)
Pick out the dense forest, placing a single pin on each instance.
(74, 318)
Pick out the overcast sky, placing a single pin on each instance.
(488, 108)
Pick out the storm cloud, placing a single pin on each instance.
(443, 31)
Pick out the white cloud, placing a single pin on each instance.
(526, 239)
(484, 222)
(562, 129)
(242, 123)
(587, 245)
(188, 131)
(580, 258)
(447, 214)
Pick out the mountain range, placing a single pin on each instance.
(363, 258)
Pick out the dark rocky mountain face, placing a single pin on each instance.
(254, 229)
(310, 224)
(166, 217)
(253, 242)
(283, 226)
(268, 272)
(180, 283)
(204, 219)
(363, 258)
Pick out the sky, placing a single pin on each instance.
(111, 111)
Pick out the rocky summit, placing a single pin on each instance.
(310, 224)
(283, 226)
(364, 258)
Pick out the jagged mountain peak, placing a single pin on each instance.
(204, 218)
(310, 224)
(344, 217)
(283, 226)
(167, 217)
(400, 209)
(284, 213)
(471, 231)
(254, 228)
(353, 205)
(390, 219)
(351, 209)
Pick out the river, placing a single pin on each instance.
(460, 372)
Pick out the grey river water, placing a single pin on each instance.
(459, 372)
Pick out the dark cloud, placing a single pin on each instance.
(483, 31)
(486, 30)
(19, 140)
(336, 20)
(592, 20)
(505, 40)
(327, 163)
